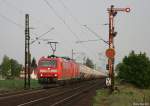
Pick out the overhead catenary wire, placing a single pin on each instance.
(37, 38)
(14, 7)
(77, 21)
(63, 21)
(70, 13)
(96, 34)
(22, 27)
(11, 21)
(87, 41)
(19, 25)
(22, 12)
(60, 18)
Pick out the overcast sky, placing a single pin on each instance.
(68, 18)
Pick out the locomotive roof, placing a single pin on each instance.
(56, 57)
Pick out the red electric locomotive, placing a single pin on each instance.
(54, 69)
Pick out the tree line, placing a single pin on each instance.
(135, 69)
(11, 68)
(89, 63)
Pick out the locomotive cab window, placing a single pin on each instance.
(48, 63)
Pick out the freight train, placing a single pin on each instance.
(53, 69)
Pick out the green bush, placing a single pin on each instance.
(135, 69)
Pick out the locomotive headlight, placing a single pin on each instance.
(53, 70)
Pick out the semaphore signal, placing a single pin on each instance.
(110, 52)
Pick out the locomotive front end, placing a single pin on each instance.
(47, 70)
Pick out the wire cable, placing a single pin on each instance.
(11, 21)
(60, 18)
(96, 34)
(22, 12)
(63, 21)
(70, 13)
(37, 38)
(77, 21)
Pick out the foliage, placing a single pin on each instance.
(89, 63)
(0, 70)
(127, 96)
(135, 69)
(10, 68)
(15, 68)
(5, 66)
(33, 63)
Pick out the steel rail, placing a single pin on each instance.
(51, 96)
(21, 94)
(17, 92)
(72, 96)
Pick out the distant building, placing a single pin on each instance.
(33, 74)
(1, 78)
(22, 74)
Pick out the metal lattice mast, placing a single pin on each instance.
(27, 53)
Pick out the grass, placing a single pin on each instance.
(16, 84)
(128, 96)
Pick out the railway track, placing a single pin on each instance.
(16, 92)
(82, 98)
(26, 91)
(48, 97)
(71, 97)
(21, 97)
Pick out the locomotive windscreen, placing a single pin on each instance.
(48, 63)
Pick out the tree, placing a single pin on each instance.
(10, 68)
(0, 70)
(15, 68)
(135, 69)
(33, 63)
(89, 63)
(5, 66)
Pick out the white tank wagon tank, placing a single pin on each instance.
(89, 73)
